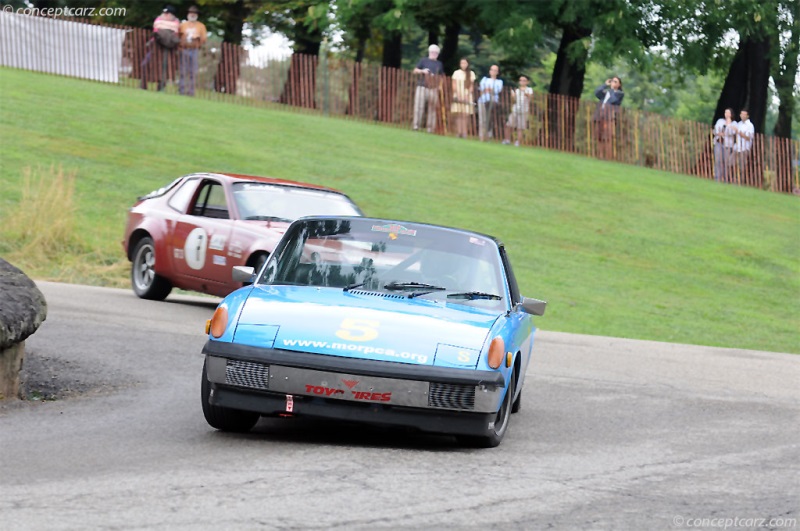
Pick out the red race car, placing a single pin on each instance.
(190, 233)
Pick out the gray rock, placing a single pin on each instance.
(22, 306)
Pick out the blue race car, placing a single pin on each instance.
(376, 321)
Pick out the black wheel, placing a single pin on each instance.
(223, 418)
(146, 283)
(494, 434)
(517, 403)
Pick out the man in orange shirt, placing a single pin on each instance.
(193, 37)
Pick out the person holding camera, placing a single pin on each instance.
(724, 138)
(161, 47)
(462, 108)
(610, 95)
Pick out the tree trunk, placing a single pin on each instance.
(392, 59)
(747, 87)
(233, 22)
(785, 76)
(360, 49)
(747, 82)
(392, 50)
(301, 81)
(567, 80)
(362, 36)
(784, 84)
(229, 66)
(568, 75)
(449, 55)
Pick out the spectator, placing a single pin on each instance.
(610, 95)
(193, 37)
(724, 138)
(490, 89)
(745, 131)
(161, 45)
(520, 107)
(428, 86)
(462, 108)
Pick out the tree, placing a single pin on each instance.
(701, 31)
(747, 83)
(305, 23)
(605, 29)
(785, 70)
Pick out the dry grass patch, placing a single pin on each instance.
(43, 222)
(41, 227)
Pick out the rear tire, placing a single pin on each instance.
(223, 418)
(495, 434)
(146, 283)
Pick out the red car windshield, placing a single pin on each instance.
(261, 201)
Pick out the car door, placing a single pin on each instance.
(202, 235)
(521, 323)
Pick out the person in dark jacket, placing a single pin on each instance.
(610, 95)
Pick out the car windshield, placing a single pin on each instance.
(405, 259)
(268, 202)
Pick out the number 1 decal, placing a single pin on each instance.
(358, 330)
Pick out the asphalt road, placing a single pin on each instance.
(613, 434)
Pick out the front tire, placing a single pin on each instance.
(223, 418)
(146, 283)
(495, 434)
(517, 404)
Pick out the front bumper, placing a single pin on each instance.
(276, 382)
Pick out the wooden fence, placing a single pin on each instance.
(331, 86)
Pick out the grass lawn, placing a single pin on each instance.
(616, 250)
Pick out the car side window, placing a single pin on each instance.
(183, 195)
(211, 201)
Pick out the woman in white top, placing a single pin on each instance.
(724, 139)
(521, 103)
(462, 107)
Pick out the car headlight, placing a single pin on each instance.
(496, 352)
(218, 322)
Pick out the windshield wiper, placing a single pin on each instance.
(399, 286)
(425, 289)
(353, 286)
(474, 295)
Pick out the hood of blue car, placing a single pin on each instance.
(365, 325)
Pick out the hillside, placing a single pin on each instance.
(617, 250)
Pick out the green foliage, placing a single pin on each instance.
(659, 88)
(616, 250)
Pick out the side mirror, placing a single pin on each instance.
(532, 306)
(243, 274)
